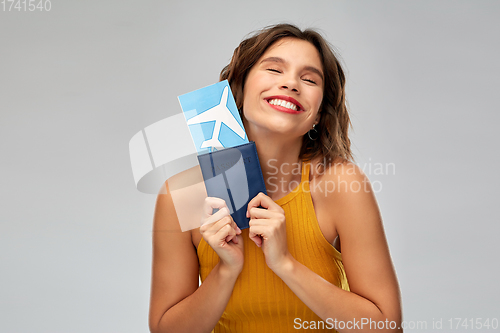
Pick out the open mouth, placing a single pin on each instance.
(285, 103)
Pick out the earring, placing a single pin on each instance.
(315, 136)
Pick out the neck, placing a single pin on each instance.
(279, 161)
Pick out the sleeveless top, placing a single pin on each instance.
(261, 302)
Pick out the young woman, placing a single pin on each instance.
(315, 255)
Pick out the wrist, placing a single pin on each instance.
(229, 272)
(285, 267)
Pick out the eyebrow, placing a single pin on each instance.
(282, 61)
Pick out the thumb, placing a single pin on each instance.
(256, 238)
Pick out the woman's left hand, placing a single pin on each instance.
(268, 230)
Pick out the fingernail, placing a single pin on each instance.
(248, 214)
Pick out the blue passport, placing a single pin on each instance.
(234, 175)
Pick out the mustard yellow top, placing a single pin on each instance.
(261, 302)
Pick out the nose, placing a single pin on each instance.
(290, 83)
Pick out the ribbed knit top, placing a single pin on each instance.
(261, 302)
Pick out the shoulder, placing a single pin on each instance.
(338, 178)
(337, 170)
(344, 188)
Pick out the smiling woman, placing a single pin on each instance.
(296, 65)
(289, 266)
(334, 123)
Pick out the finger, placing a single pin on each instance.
(235, 239)
(261, 213)
(232, 236)
(236, 228)
(256, 238)
(217, 216)
(226, 220)
(212, 203)
(214, 226)
(224, 233)
(237, 231)
(260, 230)
(259, 222)
(264, 201)
(223, 225)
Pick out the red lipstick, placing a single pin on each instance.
(288, 99)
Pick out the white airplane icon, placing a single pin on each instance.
(221, 114)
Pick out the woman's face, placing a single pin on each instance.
(284, 89)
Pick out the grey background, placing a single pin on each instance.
(76, 83)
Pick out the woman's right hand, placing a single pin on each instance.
(222, 234)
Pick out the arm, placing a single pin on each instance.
(177, 303)
(374, 289)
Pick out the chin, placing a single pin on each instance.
(283, 129)
(277, 123)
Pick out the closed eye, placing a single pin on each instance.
(274, 70)
(310, 81)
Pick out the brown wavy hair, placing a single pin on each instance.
(334, 123)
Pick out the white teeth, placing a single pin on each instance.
(284, 104)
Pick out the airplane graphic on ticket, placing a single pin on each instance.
(212, 117)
